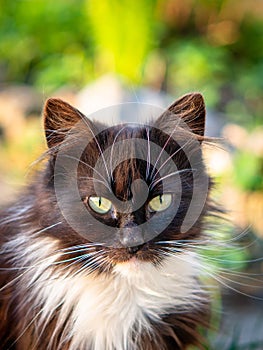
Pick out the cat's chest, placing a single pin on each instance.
(107, 311)
(111, 309)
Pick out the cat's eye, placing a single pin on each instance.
(100, 205)
(161, 202)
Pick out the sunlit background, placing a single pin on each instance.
(98, 53)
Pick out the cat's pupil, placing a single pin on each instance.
(99, 201)
(161, 199)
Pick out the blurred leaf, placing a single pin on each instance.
(248, 171)
(123, 33)
(198, 66)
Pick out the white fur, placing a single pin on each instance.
(107, 310)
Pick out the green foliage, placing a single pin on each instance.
(211, 46)
(223, 252)
(123, 32)
(248, 171)
(194, 63)
(38, 35)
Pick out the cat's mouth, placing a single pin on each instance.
(135, 249)
(145, 253)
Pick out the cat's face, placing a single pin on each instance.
(128, 191)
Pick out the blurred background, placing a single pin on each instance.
(98, 53)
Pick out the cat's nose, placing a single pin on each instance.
(131, 237)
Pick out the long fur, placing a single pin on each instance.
(60, 291)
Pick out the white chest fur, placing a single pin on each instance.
(107, 311)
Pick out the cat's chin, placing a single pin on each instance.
(133, 261)
(131, 266)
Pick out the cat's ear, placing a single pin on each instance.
(59, 118)
(190, 109)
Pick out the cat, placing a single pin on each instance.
(94, 253)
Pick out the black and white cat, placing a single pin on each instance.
(95, 253)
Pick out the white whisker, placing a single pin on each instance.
(148, 154)
(112, 148)
(90, 264)
(154, 183)
(98, 145)
(171, 157)
(105, 182)
(163, 148)
(220, 279)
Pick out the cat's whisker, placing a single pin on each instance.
(210, 245)
(244, 276)
(67, 142)
(170, 158)
(241, 235)
(77, 251)
(207, 269)
(79, 248)
(148, 154)
(112, 148)
(213, 259)
(89, 265)
(77, 260)
(32, 267)
(98, 145)
(133, 89)
(91, 178)
(154, 183)
(222, 241)
(74, 259)
(47, 228)
(233, 270)
(84, 245)
(105, 182)
(183, 241)
(163, 148)
(40, 262)
(219, 259)
(225, 282)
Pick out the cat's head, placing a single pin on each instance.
(129, 190)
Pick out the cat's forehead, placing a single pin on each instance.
(125, 131)
(122, 154)
(123, 142)
(140, 137)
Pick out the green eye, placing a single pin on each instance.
(100, 205)
(161, 202)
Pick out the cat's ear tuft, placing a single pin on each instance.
(59, 118)
(190, 109)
